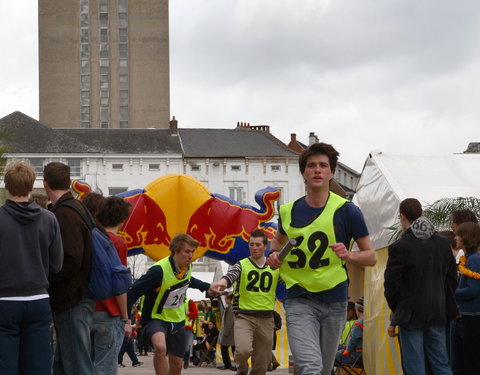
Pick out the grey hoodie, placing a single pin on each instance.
(422, 228)
(30, 248)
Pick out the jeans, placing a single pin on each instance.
(314, 329)
(107, 338)
(418, 344)
(25, 337)
(73, 326)
(127, 346)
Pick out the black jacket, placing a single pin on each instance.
(69, 286)
(420, 280)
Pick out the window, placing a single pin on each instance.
(123, 113)
(123, 35)
(194, 167)
(103, 35)
(104, 125)
(103, 19)
(123, 50)
(154, 167)
(116, 190)
(75, 167)
(37, 164)
(275, 168)
(104, 114)
(236, 168)
(236, 193)
(117, 167)
(123, 124)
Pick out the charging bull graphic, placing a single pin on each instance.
(174, 204)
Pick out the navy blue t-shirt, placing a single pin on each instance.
(348, 222)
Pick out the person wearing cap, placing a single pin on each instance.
(353, 349)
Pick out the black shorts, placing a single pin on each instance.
(175, 338)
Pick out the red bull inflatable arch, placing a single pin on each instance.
(174, 204)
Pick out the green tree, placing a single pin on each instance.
(440, 213)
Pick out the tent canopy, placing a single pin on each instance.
(388, 179)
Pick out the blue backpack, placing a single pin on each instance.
(108, 276)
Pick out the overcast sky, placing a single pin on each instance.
(397, 76)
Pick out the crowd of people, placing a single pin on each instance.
(432, 286)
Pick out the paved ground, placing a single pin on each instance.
(147, 368)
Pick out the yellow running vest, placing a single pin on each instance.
(311, 263)
(257, 287)
(169, 304)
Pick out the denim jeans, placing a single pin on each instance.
(107, 338)
(73, 326)
(25, 337)
(127, 347)
(418, 344)
(314, 329)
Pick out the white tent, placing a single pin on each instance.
(386, 180)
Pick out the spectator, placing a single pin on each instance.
(468, 294)
(226, 335)
(191, 313)
(71, 305)
(351, 318)
(111, 319)
(353, 349)
(420, 279)
(30, 249)
(40, 199)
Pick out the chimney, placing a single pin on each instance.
(312, 138)
(173, 126)
(293, 145)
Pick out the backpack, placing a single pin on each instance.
(108, 276)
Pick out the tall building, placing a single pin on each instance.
(104, 63)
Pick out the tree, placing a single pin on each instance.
(440, 213)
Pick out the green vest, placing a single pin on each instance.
(311, 263)
(256, 287)
(169, 304)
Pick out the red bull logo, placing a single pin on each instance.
(220, 221)
(147, 223)
(175, 204)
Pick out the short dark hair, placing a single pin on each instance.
(179, 240)
(449, 235)
(92, 201)
(57, 175)
(112, 211)
(464, 216)
(411, 208)
(319, 148)
(258, 233)
(19, 178)
(470, 234)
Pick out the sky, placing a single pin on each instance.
(396, 76)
